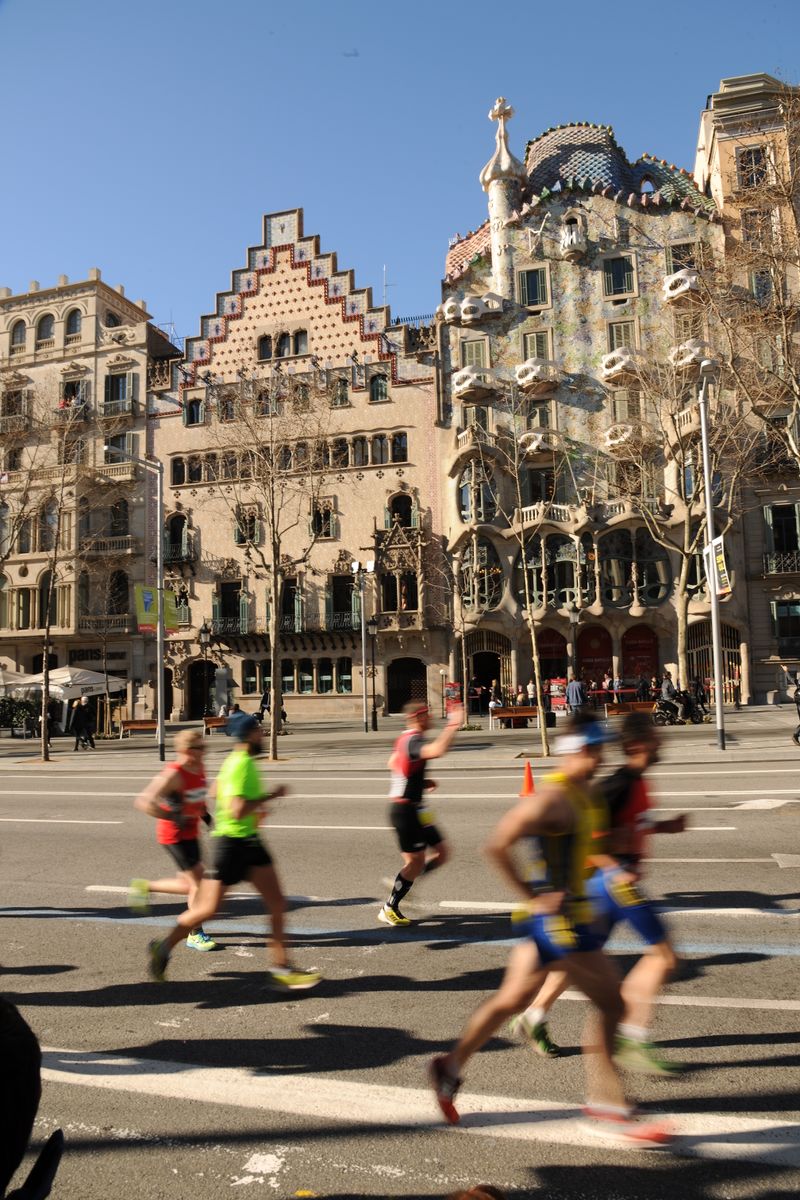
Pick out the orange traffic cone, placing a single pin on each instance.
(527, 782)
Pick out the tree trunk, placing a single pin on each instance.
(45, 741)
(275, 694)
(464, 677)
(537, 677)
(682, 615)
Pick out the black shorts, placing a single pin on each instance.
(413, 832)
(186, 855)
(235, 858)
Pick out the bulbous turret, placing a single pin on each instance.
(501, 179)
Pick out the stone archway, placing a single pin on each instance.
(594, 652)
(639, 652)
(406, 680)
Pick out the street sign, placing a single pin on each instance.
(716, 568)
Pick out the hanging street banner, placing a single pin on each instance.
(147, 610)
(716, 567)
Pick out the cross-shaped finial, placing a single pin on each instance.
(501, 110)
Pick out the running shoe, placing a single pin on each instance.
(644, 1058)
(158, 958)
(392, 916)
(445, 1087)
(139, 896)
(199, 940)
(628, 1127)
(294, 980)
(537, 1034)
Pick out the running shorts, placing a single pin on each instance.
(557, 936)
(186, 855)
(614, 901)
(414, 827)
(235, 858)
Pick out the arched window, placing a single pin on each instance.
(560, 558)
(45, 329)
(229, 466)
(265, 348)
(647, 186)
(267, 404)
(616, 567)
(340, 453)
(360, 452)
(178, 471)
(341, 393)
(476, 496)
(400, 509)
(586, 570)
(344, 676)
(83, 594)
(653, 570)
(227, 407)
(533, 570)
(25, 536)
(211, 468)
(378, 389)
(176, 537)
(112, 320)
(481, 577)
(325, 676)
(193, 411)
(195, 472)
(284, 346)
(19, 333)
(3, 602)
(249, 677)
(399, 447)
(48, 525)
(118, 594)
(305, 676)
(287, 676)
(118, 518)
(301, 456)
(47, 601)
(300, 342)
(72, 325)
(380, 449)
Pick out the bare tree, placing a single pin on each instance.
(276, 460)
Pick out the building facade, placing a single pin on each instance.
(76, 363)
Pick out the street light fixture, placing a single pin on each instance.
(204, 638)
(708, 372)
(358, 575)
(442, 677)
(372, 626)
(574, 614)
(156, 467)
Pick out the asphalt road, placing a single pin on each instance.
(212, 1081)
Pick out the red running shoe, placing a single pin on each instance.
(445, 1087)
(628, 1127)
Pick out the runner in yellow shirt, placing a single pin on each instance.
(239, 854)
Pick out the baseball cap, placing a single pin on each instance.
(589, 735)
(241, 725)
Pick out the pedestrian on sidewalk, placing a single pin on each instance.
(82, 724)
(576, 695)
(241, 806)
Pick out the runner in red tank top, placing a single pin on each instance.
(177, 799)
(421, 844)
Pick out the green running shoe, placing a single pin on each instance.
(537, 1034)
(139, 896)
(293, 980)
(644, 1058)
(158, 958)
(199, 940)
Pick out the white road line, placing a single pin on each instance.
(756, 1005)
(702, 1135)
(116, 890)
(710, 828)
(60, 792)
(708, 860)
(501, 906)
(54, 821)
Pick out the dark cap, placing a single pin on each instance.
(241, 725)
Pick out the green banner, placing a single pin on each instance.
(147, 610)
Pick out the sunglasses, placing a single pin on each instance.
(197, 746)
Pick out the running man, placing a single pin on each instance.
(421, 844)
(566, 818)
(616, 898)
(239, 854)
(177, 799)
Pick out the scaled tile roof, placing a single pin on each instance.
(461, 254)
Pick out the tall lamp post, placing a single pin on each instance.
(708, 371)
(442, 678)
(372, 626)
(574, 614)
(358, 577)
(156, 467)
(204, 638)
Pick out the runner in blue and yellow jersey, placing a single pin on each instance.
(567, 820)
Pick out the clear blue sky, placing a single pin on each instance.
(147, 137)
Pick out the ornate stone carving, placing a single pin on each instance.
(685, 282)
(538, 376)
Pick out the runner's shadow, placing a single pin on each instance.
(734, 1039)
(42, 969)
(657, 1179)
(749, 1103)
(730, 899)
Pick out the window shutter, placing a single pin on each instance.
(130, 386)
(258, 532)
(107, 393)
(268, 608)
(387, 519)
(774, 614)
(523, 288)
(768, 528)
(298, 608)
(355, 603)
(215, 609)
(244, 613)
(237, 532)
(130, 444)
(328, 607)
(185, 539)
(185, 412)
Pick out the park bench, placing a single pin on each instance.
(629, 706)
(136, 726)
(212, 723)
(520, 711)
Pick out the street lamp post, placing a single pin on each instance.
(204, 638)
(574, 614)
(358, 575)
(442, 678)
(372, 626)
(708, 370)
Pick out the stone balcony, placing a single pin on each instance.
(14, 423)
(103, 545)
(543, 511)
(471, 309)
(538, 376)
(682, 285)
(474, 436)
(687, 356)
(573, 242)
(70, 414)
(112, 623)
(785, 563)
(540, 441)
(622, 366)
(630, 434)
(475, 383)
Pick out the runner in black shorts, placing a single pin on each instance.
(421, 843)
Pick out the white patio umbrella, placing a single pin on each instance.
(8, 679)
(67, 683)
